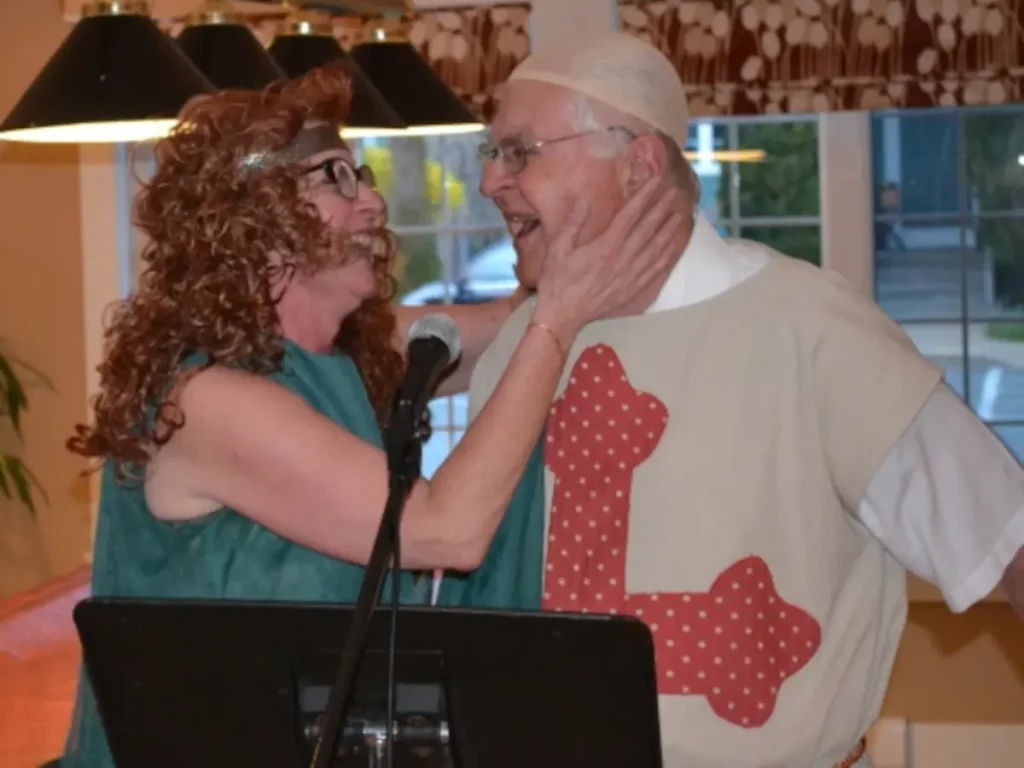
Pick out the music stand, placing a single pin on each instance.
(218, 683)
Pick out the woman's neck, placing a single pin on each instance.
(309, 325)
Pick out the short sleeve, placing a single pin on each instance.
(869, 384)
(948, 502)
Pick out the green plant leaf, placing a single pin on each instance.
(20, 477)
(35, 481)
(12, 395)
(38, 377)
(5, 487)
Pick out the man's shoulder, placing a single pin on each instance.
(491, 364)
(816, 297)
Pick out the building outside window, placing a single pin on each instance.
(949, 249)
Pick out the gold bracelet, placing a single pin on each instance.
(554, 338)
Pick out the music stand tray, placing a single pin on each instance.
(219, 683)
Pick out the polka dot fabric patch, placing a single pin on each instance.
(735, 644)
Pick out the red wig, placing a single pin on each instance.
(212, 223)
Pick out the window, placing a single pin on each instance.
(949, 249)
(774, 198)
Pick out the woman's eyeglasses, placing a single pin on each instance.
(345, 176)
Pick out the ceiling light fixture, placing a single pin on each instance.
(116, 78)
(306, 41)
(419, 96)
(217, 41)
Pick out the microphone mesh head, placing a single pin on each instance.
(440, 327)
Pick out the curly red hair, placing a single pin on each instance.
(206, 288)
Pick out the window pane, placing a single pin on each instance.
(707, 139)
(460, 268)
(410, 170)
(916, 163)
(798, 242)
(941, 343)
(422, 269)
(1000, 245)
(996, 382)
(785, 183)
(1013, 437)
(435, 450)
(994, 147)
(920, 267)
(448, 419)
(992, 381)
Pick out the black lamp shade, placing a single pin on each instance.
(114, 78)
(370, 112)
(418, 95)
(230, 56)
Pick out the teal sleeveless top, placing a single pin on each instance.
(510, 577)
(224, 555)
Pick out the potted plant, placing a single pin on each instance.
(17, 481)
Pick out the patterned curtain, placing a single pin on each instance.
(769, 56)
(472, 49)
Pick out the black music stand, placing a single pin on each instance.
(214, 684)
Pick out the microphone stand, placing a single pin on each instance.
(409, 429)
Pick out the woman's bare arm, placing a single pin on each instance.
(254, 446)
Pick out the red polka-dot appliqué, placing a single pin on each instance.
(735, 644)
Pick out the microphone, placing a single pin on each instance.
(433, 346)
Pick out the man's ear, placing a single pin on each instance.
(645, 159)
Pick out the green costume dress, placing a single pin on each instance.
(510, 576)
(224, 555)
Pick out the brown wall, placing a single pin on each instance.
(41, 310)
(965, 669)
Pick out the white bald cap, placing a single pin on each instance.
(621, 71)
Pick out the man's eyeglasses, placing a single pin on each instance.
(345, 176)
(515, 153)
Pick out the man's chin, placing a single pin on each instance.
(527, 269)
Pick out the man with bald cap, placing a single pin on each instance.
(750, 459)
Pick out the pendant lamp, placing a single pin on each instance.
(419, 96)
(217, 41)
(305, 42)
(116, 77)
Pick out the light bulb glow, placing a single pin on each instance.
(150, 130)
(117, 132)
(443, 130)
(416, 130)
(728, 155)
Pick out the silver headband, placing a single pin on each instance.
(309, 141)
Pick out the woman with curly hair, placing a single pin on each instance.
(240, 429)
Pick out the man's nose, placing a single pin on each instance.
(495, 178)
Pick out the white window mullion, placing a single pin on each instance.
(847, 222)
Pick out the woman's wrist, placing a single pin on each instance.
(561, 328)
(556, 342)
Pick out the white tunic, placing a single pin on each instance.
(914, 505)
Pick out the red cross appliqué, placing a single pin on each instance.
(735, 644)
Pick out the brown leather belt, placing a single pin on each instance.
(855, 754)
